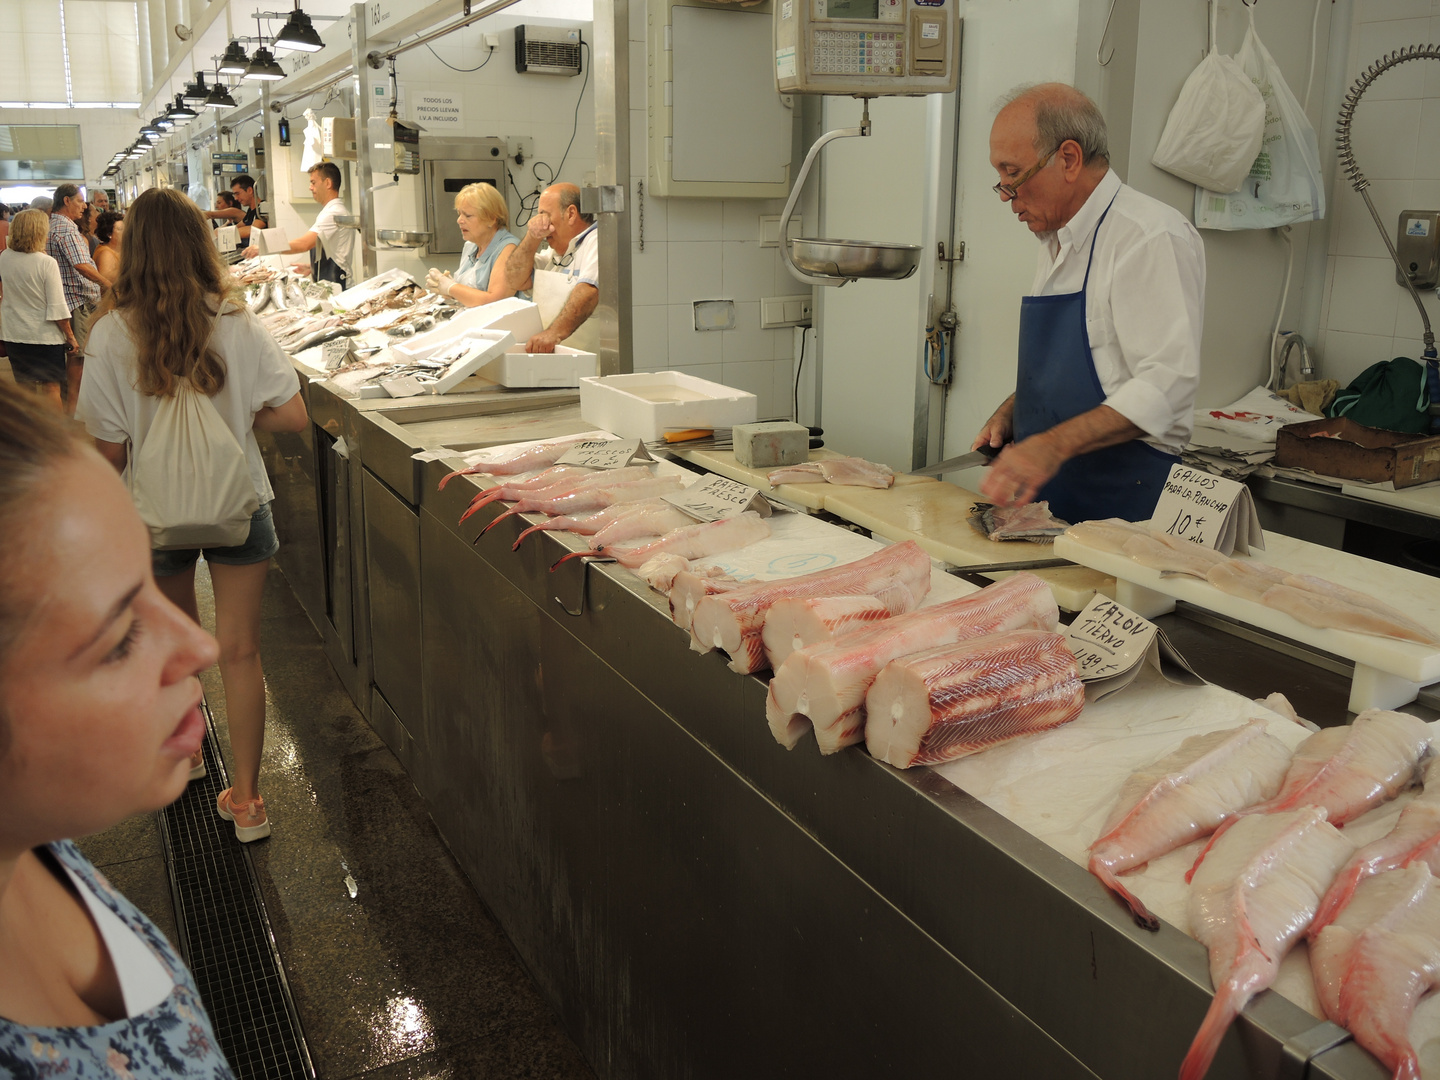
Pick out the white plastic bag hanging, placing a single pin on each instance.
(311, 155)
(1284, 185)
(1215, 129)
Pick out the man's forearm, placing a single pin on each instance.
(1094, 429)
(91, 274)
(521, 264)
(579, 306)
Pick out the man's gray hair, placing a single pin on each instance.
(569, 195)
(42, 202)
(1063, 113)
(63, 192)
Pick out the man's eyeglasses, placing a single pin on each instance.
(1010, 190)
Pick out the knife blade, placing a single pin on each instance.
(983, 456)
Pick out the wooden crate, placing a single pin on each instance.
(1341, 447)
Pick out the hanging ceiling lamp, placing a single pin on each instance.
(298, 34)
(234, 61)
(220, 97)
(150, 130)
(263, 67)
(151, 137)
(181, 111)
(163, 121)
(197, 91)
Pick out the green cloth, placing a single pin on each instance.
(1390, 395)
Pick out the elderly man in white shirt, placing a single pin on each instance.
(1109, 355)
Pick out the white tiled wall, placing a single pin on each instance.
(703, 249)
(1367, 316)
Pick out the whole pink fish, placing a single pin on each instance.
(1183, 797)
(539, 456)
(519, 489)
(1378, 958)
(1255, 890)
(592, 524)
(570, 483)
(592, 497)
(694, 541)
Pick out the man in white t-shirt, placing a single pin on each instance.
(331, 245)
(566, 287)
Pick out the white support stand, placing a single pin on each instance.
(1371, 688)
(1147, 603)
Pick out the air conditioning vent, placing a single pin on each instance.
(547, 50)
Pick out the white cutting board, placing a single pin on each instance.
(935, 516)
(808, 496)
(1388, 673)
(1421, 499)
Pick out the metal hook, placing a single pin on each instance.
(584, 570)
(1104, 61)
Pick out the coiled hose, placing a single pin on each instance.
(1358, 181)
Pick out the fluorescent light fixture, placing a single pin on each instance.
(263, 67)
(234, 61)
(298, 34)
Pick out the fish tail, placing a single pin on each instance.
(499, 518)
(1335, 899)
(567, 558)
(543, 526)
(447, 478)
(1143, 916)
(1224, 825)
(1229, 1000)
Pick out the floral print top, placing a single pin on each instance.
(174, 1039)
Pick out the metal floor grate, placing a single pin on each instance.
(225, 934)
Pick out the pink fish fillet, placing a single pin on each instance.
(596, 523)
(1335, 608)
(1106, 534)
(693, 541)
(582, 478)
(688, 588)
(539, 456)
(941, 704)
(794, 624)
(807, 472)
(1380, 956)
(592, 497)
(1255, 891)
(898, 576)
(1183, 797)
(518, 489)
(1169, 556)
(1246, 578)
(823, 686)
(655, 517)
(1350, 769)
(856, 472)
(1415, 838)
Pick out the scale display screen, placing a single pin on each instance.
(853, 9)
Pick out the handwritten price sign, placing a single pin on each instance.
(1209, 511)
(718, 497)
(602, 454)
(1108, 639)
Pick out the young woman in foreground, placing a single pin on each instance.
(99, 714)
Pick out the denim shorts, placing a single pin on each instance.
(260, 546)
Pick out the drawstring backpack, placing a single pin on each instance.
(189, 478)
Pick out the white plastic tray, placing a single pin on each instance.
(564, 367)
(643, 405)
(520, 317)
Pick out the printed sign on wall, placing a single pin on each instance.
(435, 111)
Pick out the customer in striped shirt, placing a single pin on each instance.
(82, 281)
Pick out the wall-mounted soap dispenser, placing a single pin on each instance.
(1417, 242)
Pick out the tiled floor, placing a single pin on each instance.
(409, 979)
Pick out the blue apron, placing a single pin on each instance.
(1057, 381)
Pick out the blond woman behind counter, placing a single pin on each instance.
(482, 216)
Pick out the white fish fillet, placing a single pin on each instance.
(1246, 578)
(535, 457)
(697, 541)
(794, 624)
(1415, 838)
(1183, 797)
(1169, 556)
(1254, 892)
(824, 686)
(1359, 599)
(1375, 962)
(898, 576)
(689, 588)
(660, 571)
(1329, 612)
(941, 704)
(807, 472)
(856, 472)
(1350, 769)
(1106, 534)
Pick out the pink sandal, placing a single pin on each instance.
(249, 818)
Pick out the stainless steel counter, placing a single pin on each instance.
(1318, 513)
(697, 901)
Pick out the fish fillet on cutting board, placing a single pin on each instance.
(1255, 890)
(944, 703)
(824, 686)
(1183, 797)
(1379, 957)
(809, 496)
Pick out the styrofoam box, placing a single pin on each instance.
(520, 317)
(564, 367)
(643, 405)
(370, 288)
(488, 345)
